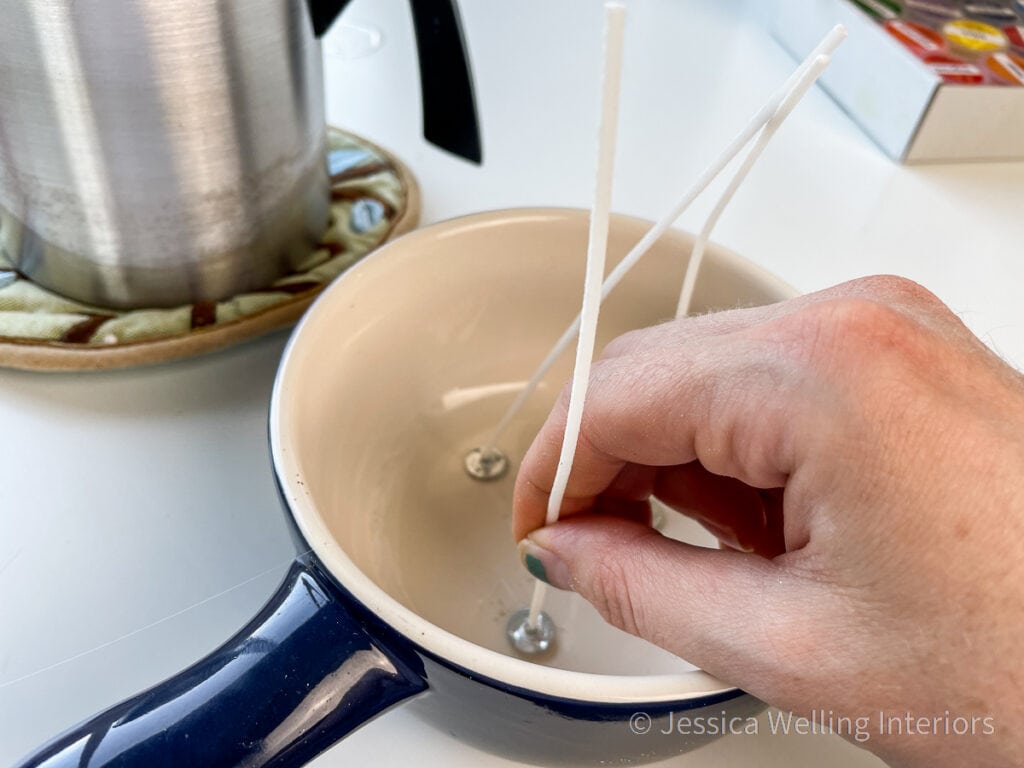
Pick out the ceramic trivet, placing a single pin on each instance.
(374, 199)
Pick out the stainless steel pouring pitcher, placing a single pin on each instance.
(159, 152)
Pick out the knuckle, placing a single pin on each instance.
(893, 289)
(612, 596)
(561, 405)
(609, 382)
(859, 321)
(626, 402)
(849, 332)
(624, 344)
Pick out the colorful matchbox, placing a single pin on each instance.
(928, 80)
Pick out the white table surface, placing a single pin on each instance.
(139, 525)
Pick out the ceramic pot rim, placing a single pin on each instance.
(517, 673)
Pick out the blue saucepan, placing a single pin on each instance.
(407, 571)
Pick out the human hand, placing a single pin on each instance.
(867, 451)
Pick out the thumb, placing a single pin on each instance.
(733, 614)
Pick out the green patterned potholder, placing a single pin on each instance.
(374, 198)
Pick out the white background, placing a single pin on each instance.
(133, 504)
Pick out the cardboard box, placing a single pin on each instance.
(928, 80)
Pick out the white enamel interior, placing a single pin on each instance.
(404, 365)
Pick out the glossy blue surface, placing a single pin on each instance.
(297, 678)
(548, 730)
(315, 664)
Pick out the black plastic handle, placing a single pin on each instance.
(323, 13)
(299, 677)
(446, 80)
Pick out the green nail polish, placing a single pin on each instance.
(536, 568)
(543, 564)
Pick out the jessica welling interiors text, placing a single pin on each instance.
(860, 729)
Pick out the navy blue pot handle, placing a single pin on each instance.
(299, 677)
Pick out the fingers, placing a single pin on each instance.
(744, 518)
(747, 393)
(896, 292)
(730, 613)
(731, 404)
